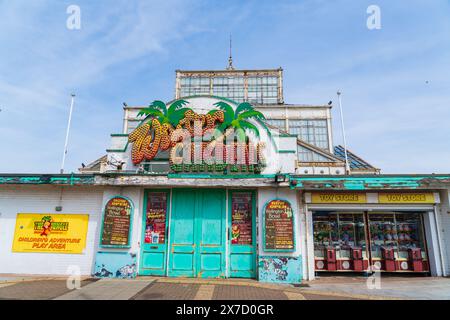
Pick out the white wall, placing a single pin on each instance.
(443, 217)
(135, 194)
(44, 199)
(264, 196)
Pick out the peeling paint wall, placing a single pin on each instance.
(444, 227)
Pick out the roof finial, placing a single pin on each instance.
(230, 58)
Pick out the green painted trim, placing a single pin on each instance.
(57, 179)
(368, 182)
(130, 233)
(118, 150)
(219, 176)
(204, 96)
(144, 225)
(294, 225)
(119, 134)
(284, 135)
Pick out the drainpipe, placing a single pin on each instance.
(441, 256)
(307, 255)
(347, 166)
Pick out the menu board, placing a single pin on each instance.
(155, 226)
(241, 218)
(279, 226)
(116, 222)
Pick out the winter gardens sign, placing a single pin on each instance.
(222, 140)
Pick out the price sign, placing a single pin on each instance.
(116, 223)
(241, 218)
(155, 227)
(279, 226)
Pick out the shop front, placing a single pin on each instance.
(376, 231)
(199, 217)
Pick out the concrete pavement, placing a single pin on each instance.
(107, 289)
(161, 288)
(416, 288)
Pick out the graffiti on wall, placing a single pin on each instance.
(280, 269)
(115, 265)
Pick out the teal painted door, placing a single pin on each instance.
(242, 227)
(154, 233)
(198, 233)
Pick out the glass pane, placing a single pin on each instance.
(409, 232)
(155, 226)
(321, 233)
(241, 218)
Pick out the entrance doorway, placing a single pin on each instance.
(361, 241)
(197, 245)
(197, 233)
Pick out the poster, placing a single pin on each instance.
(55, 233)
(155, 226)
(241, 218)
(279, 226)
(116, 222)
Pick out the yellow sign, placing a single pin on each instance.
(55, 233)
(407, 197)
(335, 197)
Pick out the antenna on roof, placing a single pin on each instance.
(230, 58)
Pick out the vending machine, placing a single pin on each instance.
(331, 259)
(357, 258)
(415, 259)
(389, 258)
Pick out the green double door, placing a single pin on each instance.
(197, 246)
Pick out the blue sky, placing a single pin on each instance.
(395, 81)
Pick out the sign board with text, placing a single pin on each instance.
(406, 197)
(116, 227)
(338, 197)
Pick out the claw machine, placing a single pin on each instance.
(397, 242)
(412, 254)
(352, 250)
(340, 241)
(324, 232)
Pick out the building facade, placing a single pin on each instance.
(226, 180)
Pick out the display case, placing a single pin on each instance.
(322, 240)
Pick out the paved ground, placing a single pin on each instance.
(418, 288)
(160, 288)
(107, 289)
(36, 290)
(161, 291)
